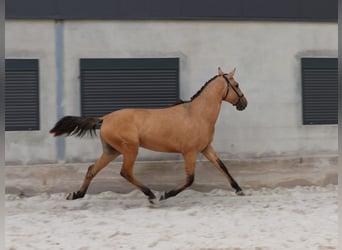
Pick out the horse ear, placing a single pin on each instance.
(232, 73)
(220, 72)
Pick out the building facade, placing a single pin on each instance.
(269, 47)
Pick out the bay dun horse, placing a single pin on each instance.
(187, 128)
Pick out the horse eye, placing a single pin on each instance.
(237, 85)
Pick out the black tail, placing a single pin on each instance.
(74, 125)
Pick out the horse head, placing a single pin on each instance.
(233, 93)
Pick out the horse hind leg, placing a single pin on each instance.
(127, 173)
(93, 170)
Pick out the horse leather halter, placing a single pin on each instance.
(228, 84)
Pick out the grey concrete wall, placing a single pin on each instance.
(34, 39)
(266, 55)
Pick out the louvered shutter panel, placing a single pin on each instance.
(320, 90)
(111, 84)
(21, 94)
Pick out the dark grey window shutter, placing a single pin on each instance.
(111, 84)
(320, 90)
(21, 94)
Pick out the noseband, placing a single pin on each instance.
(228, 84)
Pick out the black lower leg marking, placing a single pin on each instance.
(76, 195)
(148, 193)
(233, 183)
(169, 194)
(174, 192)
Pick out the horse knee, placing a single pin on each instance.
(125, 175)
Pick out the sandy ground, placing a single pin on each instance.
(297, 218)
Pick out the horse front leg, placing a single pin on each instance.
(211, 155)
(127, 173)
(91, 173)
(190, 162)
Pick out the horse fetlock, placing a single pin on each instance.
(169, 194)
(148, 193)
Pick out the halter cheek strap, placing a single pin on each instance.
(225, 96)
(228, 83)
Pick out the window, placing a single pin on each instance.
(111, 84)
(320, 90)
(21, 94)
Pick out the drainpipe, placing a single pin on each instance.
(59, 55)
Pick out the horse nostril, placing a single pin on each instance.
(241, 106)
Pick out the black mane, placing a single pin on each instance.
(197, 93)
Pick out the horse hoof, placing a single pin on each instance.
(70, 196)
(240, 193)
(154, 203)
(75, 195)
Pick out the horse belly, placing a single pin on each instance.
(173, 140)
(160, 143)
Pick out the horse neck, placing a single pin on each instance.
(208, 104)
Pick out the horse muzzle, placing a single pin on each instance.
(242, 104)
